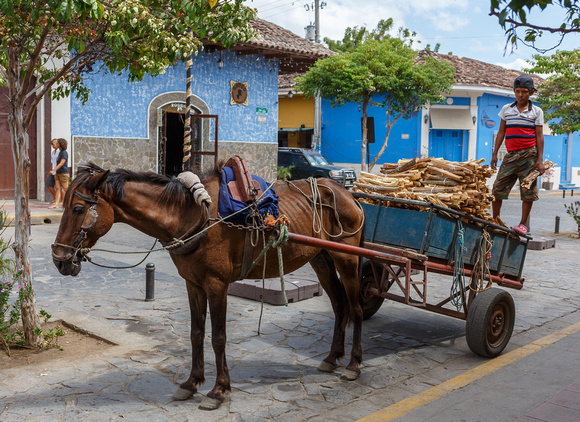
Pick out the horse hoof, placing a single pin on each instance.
(183, 394)
(349, 375)
(326, 367)
(210, 403)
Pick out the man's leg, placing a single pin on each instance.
(526, 209)
(496, 208)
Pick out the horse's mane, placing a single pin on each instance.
(173, 191)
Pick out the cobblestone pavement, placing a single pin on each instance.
(274, 375)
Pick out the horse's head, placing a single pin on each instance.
(86, 217)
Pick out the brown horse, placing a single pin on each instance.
(164, 209)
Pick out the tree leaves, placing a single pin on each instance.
(559, 95)
(386, 72)
(515, 14)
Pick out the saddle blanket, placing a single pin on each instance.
(268, 204)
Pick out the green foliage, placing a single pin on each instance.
(559, 95)
(134, 36)
(355, 36)
(10, 287)
(387, 68)
(573, 210)
(284, 173)
(385, 72)
(515, 14)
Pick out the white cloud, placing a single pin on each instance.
(517, 64)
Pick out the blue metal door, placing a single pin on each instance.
(564, 163)
(447, 144)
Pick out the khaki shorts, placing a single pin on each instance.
(62, 179)
(516, 165)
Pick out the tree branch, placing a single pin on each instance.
(34, 57)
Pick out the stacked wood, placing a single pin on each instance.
(530, 178)
(457, 185)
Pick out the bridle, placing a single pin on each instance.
(89, 219)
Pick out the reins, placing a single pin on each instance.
(175, 243)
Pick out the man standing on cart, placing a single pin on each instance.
(522, 127)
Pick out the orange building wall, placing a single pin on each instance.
(295, 111)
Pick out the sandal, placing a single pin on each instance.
(53, 206)
(521, 229)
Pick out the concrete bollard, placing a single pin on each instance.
(557, 228)
(149, 282)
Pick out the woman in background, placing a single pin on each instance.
(60, 172)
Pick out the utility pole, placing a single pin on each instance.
(317, 21)
(317, 100)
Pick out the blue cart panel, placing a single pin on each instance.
(434, 233)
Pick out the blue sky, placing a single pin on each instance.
(462, 27)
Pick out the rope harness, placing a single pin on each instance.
(481, 266)
(457, 287)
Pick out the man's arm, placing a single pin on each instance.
(498, 141)
(540, 146)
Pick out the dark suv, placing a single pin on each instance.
(309, 163)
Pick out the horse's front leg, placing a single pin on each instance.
(217, 298)
(198, 310)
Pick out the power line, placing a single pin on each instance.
(283, 11)
(462, 37)
(269, 3)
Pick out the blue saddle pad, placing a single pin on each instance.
(268, 205)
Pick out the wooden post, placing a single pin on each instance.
(187, 127)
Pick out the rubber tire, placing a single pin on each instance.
(490, 322)
(370, 303)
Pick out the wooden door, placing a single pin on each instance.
(7, 167)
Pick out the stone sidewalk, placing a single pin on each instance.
(274, 375)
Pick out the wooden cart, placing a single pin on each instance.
(404, 245)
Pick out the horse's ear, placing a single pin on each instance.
(97, 180)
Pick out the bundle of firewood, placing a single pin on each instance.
(530, 178)
(460, 186)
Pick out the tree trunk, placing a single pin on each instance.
(389, 127)
(30, 319)
(363, 160)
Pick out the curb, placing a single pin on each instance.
(37, 219)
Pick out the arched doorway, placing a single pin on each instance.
(171, 137)
(166, 127)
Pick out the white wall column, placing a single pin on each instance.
(424, 133)
(472, 141)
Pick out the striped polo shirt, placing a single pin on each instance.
(520, 128)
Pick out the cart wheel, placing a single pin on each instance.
(370, 303)
(490, 322)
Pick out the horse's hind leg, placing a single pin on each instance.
(347, 267)
(198, 310)
(326, 272)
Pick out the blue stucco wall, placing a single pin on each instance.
(341, 133)
(342, 138)
(488, 107)
(117, 108)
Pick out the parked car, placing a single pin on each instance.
(306, 163)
